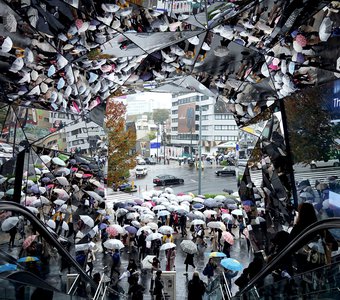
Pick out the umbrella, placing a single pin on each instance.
(154, 236)
(59, 202)
(121, 212)
(167, 246)
(65, 226)
(147, 262)
(62, 194)
(231, 264)
(10, 22)
(165, 229)
(237, 212)
(217, 225)
(28, 241)
(133, 215)
(229, 217)
(153, 225)
(28, 259)
(9, 223)
(50, 223)
(198, 206)
(216, 254)
(209, 213)
(58, 161)
(189, 246)
(248, 202)
(8, 267)
(63, 181)
(111, 231)
(33, 209)
(163, 213)
(197, 222)
(306, 195)
(95, 196)
(7, 45)
(113, 244)
(211, 202)
(325, 29)
(228, 237)
(87, 220)
(131, 229)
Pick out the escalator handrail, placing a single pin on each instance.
(41, 228)
(292, 246)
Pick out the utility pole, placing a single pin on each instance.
(164, 141)
(200, 153)
(157, 141)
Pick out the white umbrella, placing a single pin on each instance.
(136, 224)
(79, 236)
(119, 228)
(163, 213)
(10, 22)
(33, 210)
(154, 236)
(95, 196)
(325, 29)
(153, 225)
(65, 226)
(237, 212)
(7, 45)
(59, 202)
(63, 181)
(9, 223)
(87, 220)
(132, 215)
(146, 229)
(217, 225)
(113, 244)
(229, 217)
(147, 262)
(159, 207)
(146, 218)
(189, 246)
(167, 246)
(197, 222)
(165, 229)
(62, 194)
(58, 161)
(209, 213)
(46, 159)
(50, 223)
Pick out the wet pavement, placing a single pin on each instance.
(238, 251)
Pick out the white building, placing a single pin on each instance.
(217, 128)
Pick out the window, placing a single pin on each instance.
(205, 127)
(205, 117)
(224, 117)
(225, 127)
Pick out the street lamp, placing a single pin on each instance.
(164, 141)
(157, 140)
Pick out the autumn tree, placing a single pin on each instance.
(121, 142)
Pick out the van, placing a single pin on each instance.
(141, 171)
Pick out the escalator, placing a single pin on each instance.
(18, 277)
(318, 283)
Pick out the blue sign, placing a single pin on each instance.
(155, 145)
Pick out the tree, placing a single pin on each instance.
(121, 142)
(311, 133)
(160, 115)
(151, 135)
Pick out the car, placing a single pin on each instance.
(150, 161)
(322, 163)
(6, 148)
(122, 187)
(229, 170)
(141, 171)
(141, 161)
(167, 180)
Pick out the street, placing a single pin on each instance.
(211, 184)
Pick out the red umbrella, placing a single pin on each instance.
(228, 237)
(28, 241)
(301, 40)
(111, 231)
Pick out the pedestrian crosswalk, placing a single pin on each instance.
(115, 197)
(312, 176)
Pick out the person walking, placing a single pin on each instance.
(183, 225)
(226, 249)
(189, 260)
(12, 233)
(115, 263)
(89, 261)
(196, 287)
(170, 262)
(159, 286)
(155, 266)
(141, 245)
(209, 269)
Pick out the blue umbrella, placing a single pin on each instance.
(198, 206)
(102, 226)
(215, 254)
(131, 229)
(7, 267)
(248, 202)
(28, 259)
(210, 202)
(231, 264)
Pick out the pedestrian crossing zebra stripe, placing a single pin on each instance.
(312, 176)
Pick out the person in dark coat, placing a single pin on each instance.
(196, 287)
(159, 285)
(226, 249)
(189, 260)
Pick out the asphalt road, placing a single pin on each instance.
(210, 183)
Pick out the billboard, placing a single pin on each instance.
(186, 118)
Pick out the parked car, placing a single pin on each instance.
(122, 187)
(167, 180)
(229, 170)
(322, 163)
(141, 161)
(150, 161)
(141, 171)
(6, 148)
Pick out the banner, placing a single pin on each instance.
(186, 118)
